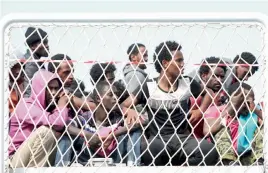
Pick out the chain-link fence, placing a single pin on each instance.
(187, 93)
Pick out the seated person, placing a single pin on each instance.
(167, 103)
(106, 72)
(32, 138)
(212, 77)
(236, 69)
(64, 70)
(129, 144)
(99, 124)
(234, 127)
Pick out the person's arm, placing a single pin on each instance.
(214, 121)
(91, 138)
(124, 130)
(84, 104)
(129, 102)
(255, 109)
(196, 90)
(36, 116)
(212, 126)
(126, 110)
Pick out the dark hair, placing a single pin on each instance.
(53, 66)
(99, 70)
(134, 49)
(248, 58)
(34, 35)
(121, 91)
(209, 62)
(99, 90)
(238, 85)
(163, 52)
(77, 88)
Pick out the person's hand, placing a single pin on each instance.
(107, 140)
(251, 105)
(93, 141)
(235, 103)
(63, 101)
(196, 115)
(97, 141)
(132, 116)
(237, 99)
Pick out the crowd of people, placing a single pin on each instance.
(208, 118)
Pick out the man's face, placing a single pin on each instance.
(214, 78)
(243, 72)
(141, 57)
(52, 93)
(41, 49)
(109, 99)
(17, 74)
(175, 66)
(110, 77)
(65, 72)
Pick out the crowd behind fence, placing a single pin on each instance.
(204, 118)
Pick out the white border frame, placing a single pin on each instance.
(121, 18)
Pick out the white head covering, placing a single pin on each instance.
(14, 58)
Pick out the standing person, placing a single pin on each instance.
(37, 44)
(32, 138)
(135, 76)
(134, 72)
(167, 102)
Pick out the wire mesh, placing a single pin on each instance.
(81, 114)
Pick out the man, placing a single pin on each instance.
(62, 65)
(135, 76)
(240, 69)
(167, 100)
(32, 141)
(37, 44)
(134, 73)
(211, 74)
(212, 77)
(235, 127)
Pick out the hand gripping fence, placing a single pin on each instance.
(132, 92)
